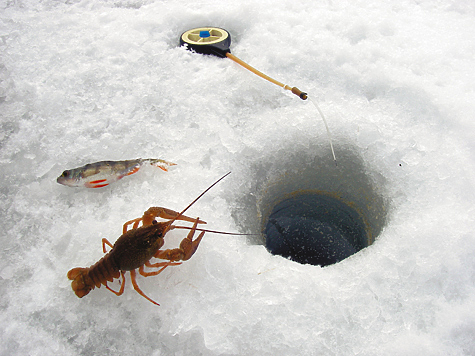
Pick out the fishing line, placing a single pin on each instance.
(294, 90)
(326, 127)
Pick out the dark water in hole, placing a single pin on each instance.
(315, 229)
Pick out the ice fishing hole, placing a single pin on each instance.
(315, 228)
(310, 211)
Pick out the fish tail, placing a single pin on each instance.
(160, 163)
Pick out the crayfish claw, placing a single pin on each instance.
(165, 213)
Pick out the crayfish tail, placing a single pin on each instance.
(103, 271)
(86, 279)
(81, 283)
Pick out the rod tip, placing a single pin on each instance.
(299, 93)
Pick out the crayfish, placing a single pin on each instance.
(136, 247)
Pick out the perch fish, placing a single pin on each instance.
(101, 174)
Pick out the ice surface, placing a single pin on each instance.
(83, 81)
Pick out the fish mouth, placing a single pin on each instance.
(66, 181)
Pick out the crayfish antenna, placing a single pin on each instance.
(213, 231)
(194, 201)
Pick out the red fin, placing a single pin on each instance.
(135, 170)
(100, 185)
(98, 181)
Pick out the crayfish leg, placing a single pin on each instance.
(139, 291)
(160, 264)
(134, 221)
(104, 243)
(122, 285)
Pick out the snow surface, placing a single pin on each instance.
(84, 81)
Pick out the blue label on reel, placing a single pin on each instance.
(204, 34)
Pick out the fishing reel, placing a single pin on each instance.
(207, 40)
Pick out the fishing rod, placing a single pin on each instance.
(216, 41)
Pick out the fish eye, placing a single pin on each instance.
(65, 174)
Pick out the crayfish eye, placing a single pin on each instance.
(154, 222)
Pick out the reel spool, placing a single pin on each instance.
(207, 40)
(216, 41)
